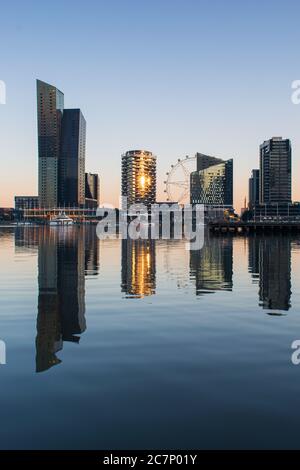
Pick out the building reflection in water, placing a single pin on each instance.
(270, 266)
(26, 239)
(65, 255)
(92, 257)
(211, 268)
(138, 268)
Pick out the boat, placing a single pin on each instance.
(23, 223)
(8, 224)
(62, 220)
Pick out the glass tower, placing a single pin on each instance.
(254, 189)
(212, 183)
(50, 105)
(276, 171)
(72, 161)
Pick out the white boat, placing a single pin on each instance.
(61, 220)
(22, 223)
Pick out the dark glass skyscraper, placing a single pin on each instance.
(72, 161)
(212, 183)
(254, 188)
(276, 171)
(50, 105)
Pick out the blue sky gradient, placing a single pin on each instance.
(171, 76)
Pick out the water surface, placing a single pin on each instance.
(144, 344)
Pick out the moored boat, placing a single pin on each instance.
(62, 220)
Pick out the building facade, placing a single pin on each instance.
(254, 189)
(212, 183)
(138, 178)
(92, 189)
(50, 105)
(275, 210)
(72, 159)
(276, 171)
(26, 202)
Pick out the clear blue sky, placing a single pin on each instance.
(170, 76)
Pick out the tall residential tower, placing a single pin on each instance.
(139, 177)
(50, 105)
(276, 171)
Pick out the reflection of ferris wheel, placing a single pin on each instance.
(178, 180)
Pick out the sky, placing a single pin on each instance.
(174, 77)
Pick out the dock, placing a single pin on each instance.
(254, 226)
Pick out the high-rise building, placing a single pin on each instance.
(72, 159)
(212, 183)
(92, 189)
(139, 177)
(50, 105)
(254, 189)
(276, 171)
(61, 149)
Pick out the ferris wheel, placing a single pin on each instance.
(177, 184)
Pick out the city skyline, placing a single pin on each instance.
(150, 230)
(69, 150)
(199, 92)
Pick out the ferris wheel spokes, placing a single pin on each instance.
(178, 180)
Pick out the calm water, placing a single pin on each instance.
(117, 344)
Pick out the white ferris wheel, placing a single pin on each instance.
(177, 184)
